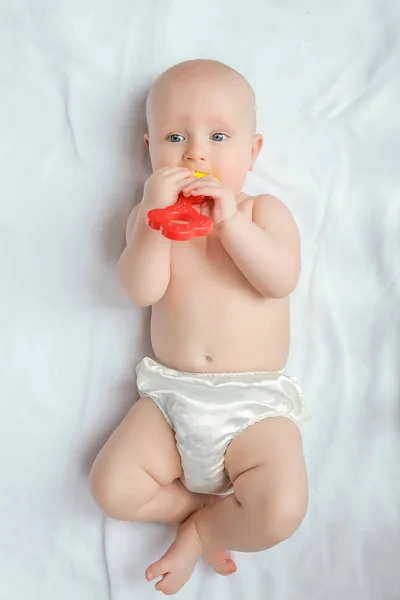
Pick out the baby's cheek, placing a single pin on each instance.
(225, 170)
(233, 175)
(166, 157)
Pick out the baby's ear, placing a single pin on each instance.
(255, 149)
(146, 140)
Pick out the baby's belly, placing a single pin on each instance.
(221, 334)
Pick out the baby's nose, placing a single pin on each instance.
(195, 152)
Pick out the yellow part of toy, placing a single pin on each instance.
(199, 175)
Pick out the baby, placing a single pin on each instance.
(200, 447)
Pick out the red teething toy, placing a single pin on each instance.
(181, 222)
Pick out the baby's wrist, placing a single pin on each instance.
(226, 219)
(151, 200)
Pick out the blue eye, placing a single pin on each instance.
(175, 137)
(219, 137)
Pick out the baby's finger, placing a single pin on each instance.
(180, 173)
(169, 170)
(175, 173)
(206, 190)
(201, 182)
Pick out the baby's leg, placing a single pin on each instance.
(267, 468)
(135, 476)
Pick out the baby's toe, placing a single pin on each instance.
(157, 569)
(220, 561)
(169, 584)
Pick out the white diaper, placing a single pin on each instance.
(208, 410)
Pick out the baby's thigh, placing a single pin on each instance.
(143, 442)
(266, 465)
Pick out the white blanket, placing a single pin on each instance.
(73, 76)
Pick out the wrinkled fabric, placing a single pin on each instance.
(208, 410)
(73, 78)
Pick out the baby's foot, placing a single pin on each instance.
(178, 563)
(220, 560)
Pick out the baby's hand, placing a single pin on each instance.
(163, 187)
(224, 198)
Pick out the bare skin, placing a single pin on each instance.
(219, 304)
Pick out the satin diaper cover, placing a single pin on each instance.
(208, 410)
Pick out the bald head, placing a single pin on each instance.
(201, 73)
(201, 115)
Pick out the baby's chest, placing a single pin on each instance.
(204, 261)
(206, 266)
(200, 257)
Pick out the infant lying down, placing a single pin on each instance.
(213, 444)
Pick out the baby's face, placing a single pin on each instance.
(206, 125)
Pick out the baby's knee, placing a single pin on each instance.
(115, 497)
(103, 491)
(273, 513)
(280, 516)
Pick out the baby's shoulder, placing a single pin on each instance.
(268, 211)
(266, 200)
(260, 199)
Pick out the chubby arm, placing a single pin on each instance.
(267, 249)
(144, 267)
